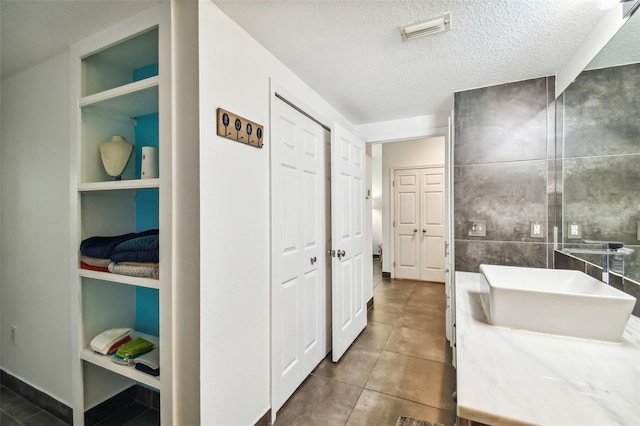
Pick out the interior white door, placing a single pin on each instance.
(406, 184)
(349, 307)
(432, 201)
(299, 248)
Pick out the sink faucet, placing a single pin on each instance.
(609, 248)
(610, 251)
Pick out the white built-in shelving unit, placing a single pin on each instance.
(120, 77)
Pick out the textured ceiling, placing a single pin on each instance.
(348, 51)
(352, 54)
(35, 30)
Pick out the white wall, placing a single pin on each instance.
(185, 398)
(404, 129)
(35, 292)
(397, 155)
(235, 74)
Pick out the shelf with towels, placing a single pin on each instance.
(104, 361)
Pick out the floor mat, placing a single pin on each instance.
(410, 421)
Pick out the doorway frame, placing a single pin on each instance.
(419, 128)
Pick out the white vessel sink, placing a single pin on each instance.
(555, 301)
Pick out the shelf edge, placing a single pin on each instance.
(122, 279)
(105, 362)
(116, 92)
(119, 185)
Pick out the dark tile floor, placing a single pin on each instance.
(15, 410)
(135, 414)
(399, 366)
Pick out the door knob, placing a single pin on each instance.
(341, 254)
(424, 230)
(415, 229)
(314, 260)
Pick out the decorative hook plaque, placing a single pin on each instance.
(239, 129)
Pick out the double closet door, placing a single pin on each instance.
(419, 224)
(318, 246)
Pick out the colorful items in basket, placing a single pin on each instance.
(106, 341)
(129, 351)
(133, 254)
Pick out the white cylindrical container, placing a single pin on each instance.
(149, 162)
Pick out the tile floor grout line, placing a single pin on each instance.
(410, 400)
(354, 405)
(419, 357)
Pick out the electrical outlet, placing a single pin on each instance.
(14, 334)
(537, 229)
(477, 228)
(574, 230)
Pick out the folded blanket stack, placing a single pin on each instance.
(134, 254)
(137, 257)
(149, 363)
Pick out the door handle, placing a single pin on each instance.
(314, 260)
(424, 230)
(415, 229)
(341, 254)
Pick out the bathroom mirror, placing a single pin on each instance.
(598, 152)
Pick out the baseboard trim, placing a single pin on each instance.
(370, 304)
(37, 397)
(386, 275)
(265, 420)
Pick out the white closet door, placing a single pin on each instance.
(406, 185)
(349, 307)
(419, 224)
(299, 248)
(432, 262)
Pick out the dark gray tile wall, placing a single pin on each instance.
(600, 112)
(506, 195)
(501, 123)
(470, 254)
(504, 173)
(600, 132)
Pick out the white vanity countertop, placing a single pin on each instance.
(515, 377)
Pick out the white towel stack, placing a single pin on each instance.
(103, 341)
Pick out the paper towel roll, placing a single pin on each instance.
(149, 162)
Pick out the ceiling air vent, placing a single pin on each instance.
(425, 28)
